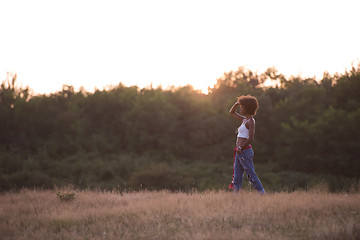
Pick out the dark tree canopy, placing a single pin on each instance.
(126, 137)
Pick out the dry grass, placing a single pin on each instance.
(164, 215)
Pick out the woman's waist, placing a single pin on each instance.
(241, 140)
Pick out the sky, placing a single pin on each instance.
(96, 44)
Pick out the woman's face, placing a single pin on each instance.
(242, 110)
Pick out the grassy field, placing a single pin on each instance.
(37, 214)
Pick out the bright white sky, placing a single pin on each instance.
(99, 43)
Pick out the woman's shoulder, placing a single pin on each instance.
(251, 120)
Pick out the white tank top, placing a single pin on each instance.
(243, 132)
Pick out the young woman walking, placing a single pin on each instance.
(243, 161)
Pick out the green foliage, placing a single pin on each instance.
(179, 139)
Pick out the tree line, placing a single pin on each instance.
(181, 139)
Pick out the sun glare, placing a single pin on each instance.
(98, 44)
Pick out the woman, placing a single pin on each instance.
(243, 161)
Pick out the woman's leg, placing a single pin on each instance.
(248, 165)
(238, 173)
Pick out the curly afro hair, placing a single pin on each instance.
(249, 103)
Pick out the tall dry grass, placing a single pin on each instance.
(35, 214)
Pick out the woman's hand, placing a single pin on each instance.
(238, 149)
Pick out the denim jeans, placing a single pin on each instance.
(244, 163)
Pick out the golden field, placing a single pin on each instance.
(40, 214)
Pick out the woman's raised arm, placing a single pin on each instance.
(234, 113)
